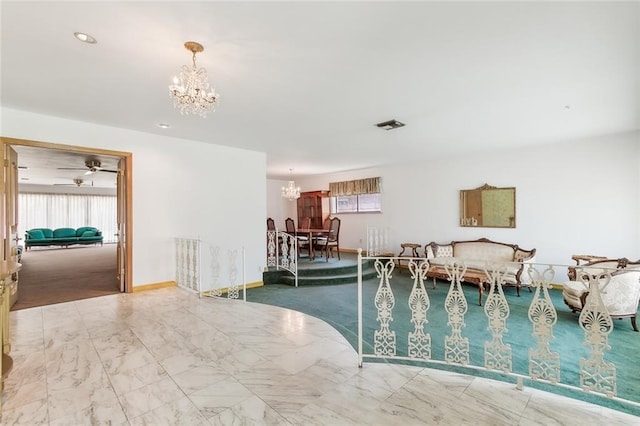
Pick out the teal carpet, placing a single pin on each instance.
(337, 305)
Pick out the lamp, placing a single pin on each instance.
(191, 91)
(291, 191)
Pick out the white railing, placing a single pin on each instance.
(282, 252)
(377, 241)
(597, 376)
(215, 281)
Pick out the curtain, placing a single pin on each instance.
(68, 211)
(355, 187)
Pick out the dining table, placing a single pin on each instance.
(310, 233)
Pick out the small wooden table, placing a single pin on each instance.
(310, 233)
(414, 252)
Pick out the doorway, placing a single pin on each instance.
(85, 165)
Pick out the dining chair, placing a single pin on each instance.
(326, 224)
(305, 223)
(326, 244)
(271, 224)
(301, 240)
(290, 226)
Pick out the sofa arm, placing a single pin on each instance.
(526, 257)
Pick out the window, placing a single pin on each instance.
(362, 203)
(356, 196)
(68, 211)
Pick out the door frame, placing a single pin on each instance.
(127, 200)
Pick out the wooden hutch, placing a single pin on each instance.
(314, 204)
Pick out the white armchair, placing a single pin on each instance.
(620, 297)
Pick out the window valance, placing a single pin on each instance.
(355, 187)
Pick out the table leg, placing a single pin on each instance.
(480, 292)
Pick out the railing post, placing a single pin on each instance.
(360, 358)
(244, 276)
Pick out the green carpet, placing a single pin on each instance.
(337, 305)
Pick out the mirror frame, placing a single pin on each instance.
(468, 221)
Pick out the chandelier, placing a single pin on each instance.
(191, 91)
(291, 191)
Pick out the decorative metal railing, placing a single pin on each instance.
(214, 281)
(377, 241)
(597, 374)
(282, 252)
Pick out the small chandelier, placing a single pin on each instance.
(191, 91)
(291, 191)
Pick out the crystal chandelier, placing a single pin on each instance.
(191, 91)
(291, 191)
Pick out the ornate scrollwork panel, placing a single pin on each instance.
(497, 354)
(596, 374)
(233, 292)
(384, 338)
(195, 265)
(187, 263)
(272, 259)
(456, 347)
(543, 364)
(419, 342)
(214, 253)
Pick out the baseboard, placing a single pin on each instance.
(256, 284)
(154, 286)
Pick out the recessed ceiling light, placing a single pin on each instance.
(85, 38)
(164, 125)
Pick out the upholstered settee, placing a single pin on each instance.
(40, 237)
(620, 297)
(478, 255)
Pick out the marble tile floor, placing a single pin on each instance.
(165, 357)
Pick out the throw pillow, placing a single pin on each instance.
(36, 234)
(86, 234)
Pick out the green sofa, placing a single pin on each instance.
(41, 237)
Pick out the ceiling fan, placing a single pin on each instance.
(92, 166)
(76, 182)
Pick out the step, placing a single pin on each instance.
(322, 276)
(349, 278)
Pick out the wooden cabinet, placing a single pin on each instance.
(314, 204)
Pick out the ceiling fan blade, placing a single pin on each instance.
(108, 171)
(89, 172)
(71, 168)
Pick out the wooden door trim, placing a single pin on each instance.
(128, 172)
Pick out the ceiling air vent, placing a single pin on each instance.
(389, 125)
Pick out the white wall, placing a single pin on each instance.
(580, 197)
(279, 208)
(181, 188)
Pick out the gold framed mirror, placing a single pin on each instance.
(488, 207)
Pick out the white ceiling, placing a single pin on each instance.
(306, 82)
(39, 166)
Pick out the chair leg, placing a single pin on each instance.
(633, 323)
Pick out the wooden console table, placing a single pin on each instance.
(474, 277)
